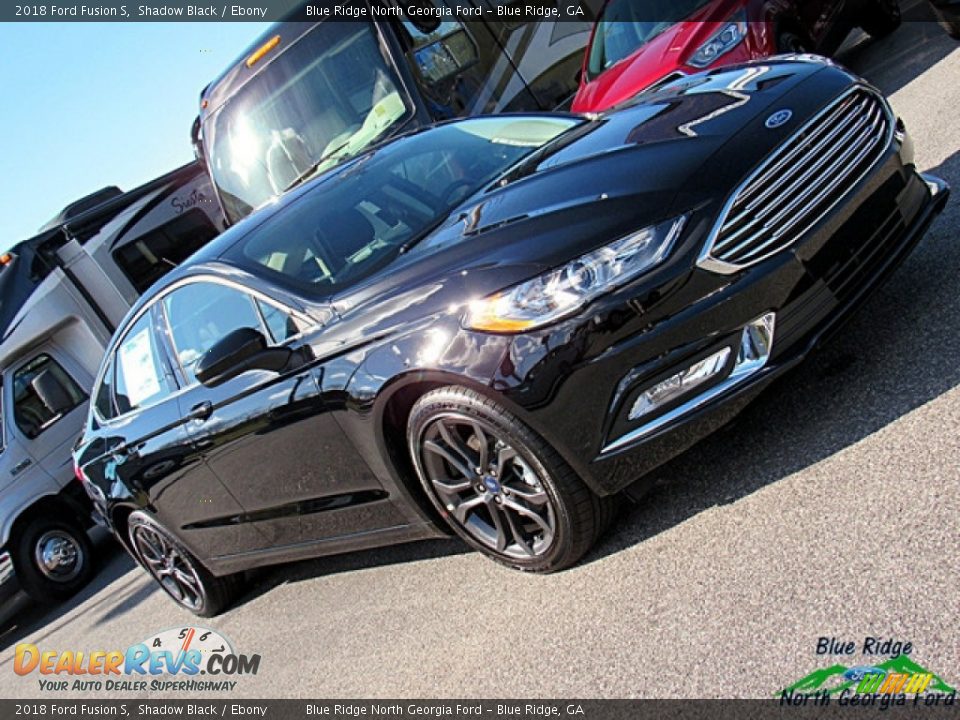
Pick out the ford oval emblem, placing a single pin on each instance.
(779, 118)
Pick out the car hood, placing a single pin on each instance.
(681, 148)
(666, 53)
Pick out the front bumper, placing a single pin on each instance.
(578, 394)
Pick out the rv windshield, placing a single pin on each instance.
(321, 100)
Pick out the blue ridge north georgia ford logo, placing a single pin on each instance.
(779, 118)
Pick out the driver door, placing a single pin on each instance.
(267, 436)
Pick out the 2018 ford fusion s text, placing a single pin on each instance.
(496, 324)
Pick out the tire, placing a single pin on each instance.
(177, 571)
(52, 558)
(881, 18)
(528, 509)
(950, 25)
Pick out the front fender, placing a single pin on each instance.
(388, 378)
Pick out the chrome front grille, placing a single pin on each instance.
(801, 181)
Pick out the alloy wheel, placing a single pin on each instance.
(487, 486)
(170, 566)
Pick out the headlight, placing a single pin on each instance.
(564, 290)
(721, 42)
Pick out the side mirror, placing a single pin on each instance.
(237, 352)
(446, 57)
(52, 393)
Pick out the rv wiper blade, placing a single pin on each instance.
(311, 171)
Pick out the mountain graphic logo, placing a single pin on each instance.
(835, 679)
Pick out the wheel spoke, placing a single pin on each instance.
(517, 535)
(187, 579)
(505, 455)
(148, 551)
(484, 453)
(448, 456)
(529, 514)
(451, 487)
(537, 496)
(497, 515)
(456, 444)
(464, 508)
(174, 587)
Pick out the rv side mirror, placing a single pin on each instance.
(54, 396)
(237, 352)
(446, 57)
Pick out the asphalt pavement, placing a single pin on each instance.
(830, 508)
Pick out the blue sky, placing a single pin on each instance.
(87, 105)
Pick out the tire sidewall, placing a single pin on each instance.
(32, 580)
(433, 406)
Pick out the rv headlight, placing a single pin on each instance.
(564, 290)
(730, 34)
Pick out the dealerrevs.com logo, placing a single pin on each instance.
(189, 659)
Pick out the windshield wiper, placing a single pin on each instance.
(420, 236)
(310, 171)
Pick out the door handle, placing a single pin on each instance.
(201, 411)
(21, 466)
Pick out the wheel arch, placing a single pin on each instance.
(392, 412)
(51, 505)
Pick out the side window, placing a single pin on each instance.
(202, 313)
(103, 400)
(281, 324)
(152, 255)
(140, 375)
(42, 394)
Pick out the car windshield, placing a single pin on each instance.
(349, 225)
(628, 25)
(323, 99)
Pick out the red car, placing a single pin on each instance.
(637, 44)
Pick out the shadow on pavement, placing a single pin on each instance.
(263, 580)
(893, 62)
(20, 616)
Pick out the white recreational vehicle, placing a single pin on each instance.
(61, 295)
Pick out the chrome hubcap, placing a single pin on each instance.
(170, 567)
(58, 555)
(487, 487)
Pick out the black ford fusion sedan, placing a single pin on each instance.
(494, 324)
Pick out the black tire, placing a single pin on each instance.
(951, 25)
(523, 476)
(52, 558)
(175, 569)
(881, 17)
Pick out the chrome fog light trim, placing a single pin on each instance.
(756, 342)
(679, 384)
